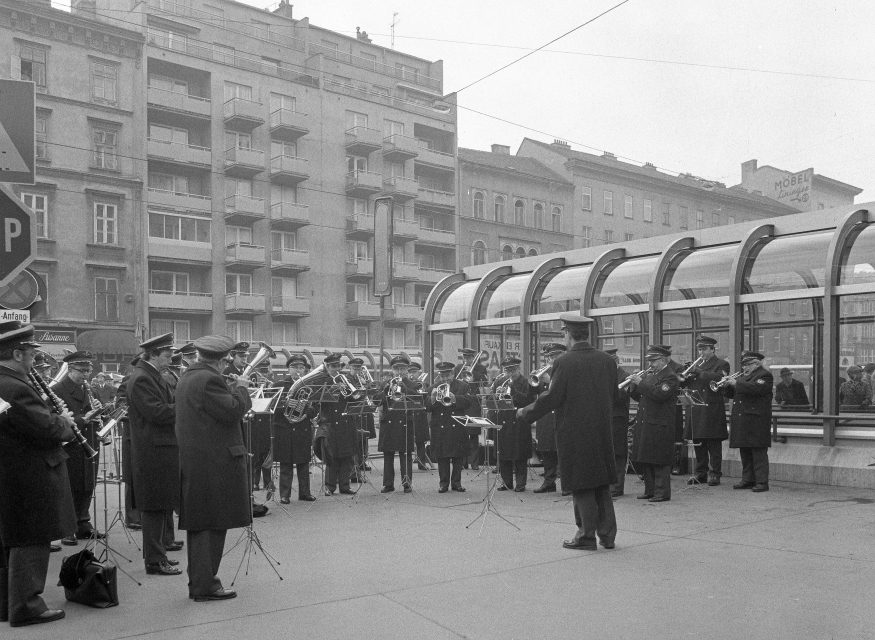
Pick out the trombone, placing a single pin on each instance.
(628, 380)
(469, 369)
(719, 384)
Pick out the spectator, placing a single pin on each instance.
(790, 393)
(855, 394)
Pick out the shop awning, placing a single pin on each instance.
(108, 341)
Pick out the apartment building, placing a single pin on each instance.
(804, 190)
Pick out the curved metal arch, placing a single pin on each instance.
(736, 312)
(485, 282)
(656, 281)
(589, 286)
(428, 317)
(831, 316)
(526, 307)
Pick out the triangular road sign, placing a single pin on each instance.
(10, 158)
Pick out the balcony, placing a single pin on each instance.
(244, 257)
(400, 188)
(443, 199)
(433, 276)
(180, 201)
(408, 313)
(398, 148)
(164, 250)
(288, 125)
(240, 113)
(368, 311)
(289, 261)
(289, 215)
(187, 154)
(180, 103)
(361, 141)
(243, 163)
(288, 170)
(404, 228)
(243, 209)
(361, 184)
(361, 269)
(436, 159)
(360, 226)
(439, 237)
(181, 301)
(290, 306)
(244, 303)
(405, 271)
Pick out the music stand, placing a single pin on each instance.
(362, 409)
(409, 404)
(118, 518)
(687, 400)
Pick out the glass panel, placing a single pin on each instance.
(682, 346)
(858, 259)
(677, 319)
(791, 262)
(699, 274)
(446, 345)
(456, 305)
(857, 347)
(503, 299)
(627, 334)
(623, 283)
(713, 316)
(499, 344)
(562, 290)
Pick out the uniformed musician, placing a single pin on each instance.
(449, 439)
(365, 421)
(654, 436)
(514, 439)
(545, 427)
(292, 441)
(396, 427)
(341, 441)
(620, 428)
(420, 418)
(475, 377)
(132, 516)
(238, 354)
(751, 421)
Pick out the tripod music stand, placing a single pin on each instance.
(273, 396)
(361, 410)
(409, 404)
(491, 402)
(119, 517)
(687, 400)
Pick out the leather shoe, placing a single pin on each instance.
(607, 545)
(565, 494)
(519, 489)
(743, 485)
(502, 488)
(69, 541)
(162, 569)
(545, 489)
(713, 482)
(285, 501)
(347, 491)
(134, 526)
(49, 615)
(221, 594)
(176, 545)
(443, 489)
(616, 494)
(408, 488)
(387, 490)
(644, 496)
(172, 563)
(307, 498)
(579, 546)
(459, 489)
(658, 499)
(54, 548)
(759, 488)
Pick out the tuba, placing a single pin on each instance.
(264, 352)
(301, 392)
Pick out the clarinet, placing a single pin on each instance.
(59, 407)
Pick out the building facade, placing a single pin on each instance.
(803, 190)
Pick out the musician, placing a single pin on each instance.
(620, 428)
(341, 437)
(790, 393)
(706, 425)
(214, 494)
(475, 375)
(420, 418)
(751, 420)
(81, 469)
(653, 440)
(364, 422)
(292, 441)
(545, 427)
(582, 391)
(239, 354)
(396, 427)
(36, 504)
(680, 462)
(514, 439)
(132, 516)
(449, 439)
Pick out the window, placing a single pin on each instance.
(370, 59)
(478, 205)
(358, 337)
(791, 306)
(520, 252)
(41, 135)
(283, 288)
(238, 284)
(237, 235)
(238, 140)
(608, 205)
(262, 29)
(761, 343)
(356, 163)
(168, 84)
(283, 193)
(237, 90)
(628, 236)
(715, 219)
(280, 101)
(397, 297)
(539, 215)
(181, 329)
(586, 198)
(684, 215)
(238, 187)
(426, 260)
(406, 72)
(357, 250)
(104, 82)
(608, 326)
(283, 333)
(730, 219)
(700, 219)
(586, 237)
(106, 299)
(358, 293)
(161, 133)
(507, 252)
(356, 119)
(169, 282)
(40, 205)
(519, 210)
(216, 16)
(777, 307)
(627, 207)
(239, 330)
(609, 236)
(283, 148)
(105, 223)
(666, 213)
(394, 169)
(533, 252)
(777, 341)
(499, 208)
(392, 128)
(224, 53)
(105, 149)
(358, 206)
(557, 219)
(283, 241)
(804, 344)
(167, 182)
(30, 64)
(167, 39)
(478, 253)
(792, 343)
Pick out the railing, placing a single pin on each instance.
(407, 75)
(189, 294)
(170, 192)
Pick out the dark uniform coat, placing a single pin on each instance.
(751, 409)
(154, 450)
(36, 505)
(396, 427)
(545, 428)
(514, 439)
(582, 391)
(292, 441)
(449, 439)
(654, 436)
(79, 466)
(341, 434)
(214, 480)
(420, 418)
(479, 377)
(620, 420)
(708, 421)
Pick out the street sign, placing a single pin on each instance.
(21, 292)
(383, 231)
(17, 236)
(17, 136)
(22, 315)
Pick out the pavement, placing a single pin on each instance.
(796, 562)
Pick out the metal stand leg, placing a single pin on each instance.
(491, 485)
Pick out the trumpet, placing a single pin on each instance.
(719, 384)
(422, 377)
(396, 388)
(469, 369)
(535, 376)
(503, 391)
(683, 375)
(628, 382)
(442, 394)
(365, 377)
(347, 388)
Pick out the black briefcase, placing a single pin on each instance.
(87, 581)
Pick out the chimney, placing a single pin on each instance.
(82, 6)
(561, 143)
(609, 155)
(748, 169)
(284, 9)
(650, 165)
(502, 149)
(362, 35)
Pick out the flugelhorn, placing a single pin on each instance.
(719, 384)
(264, 352)
(628, 380)
(535, 376)
(442, 394)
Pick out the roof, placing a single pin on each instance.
(514, 164)
(685, 181)
(831, 182)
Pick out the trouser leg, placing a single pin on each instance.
(28, 567)
(444, 472)
(606, 526)
(132, 516)
(204, 556)
(662, 481)
(701, 452)
(649, 480)
(456, 477)
(551, 466)
(505, 469)
(344, 469)
(715, 453)
(760, 463)
(747, 471)
(303, 480)
(474, 452)
(388, 468)
(153, 536)
(585, 515)
(331, 473)
(519, 470)
(286, 470)
(620, 462)
(169, 528)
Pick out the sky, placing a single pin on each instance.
(696, 86)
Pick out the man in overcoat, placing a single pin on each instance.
(475, 378)
(545, 427)
(620, 428)
(132, 516)
(705, 424)
(514, 439)
(449, 439)
(582, 391)
(214, 481)
(790, 393)
(396, 428)
(293, 441)
(342, 436)
(154, 453)
(751, 421)
(420, 418)
(654, 436)
(36, 505)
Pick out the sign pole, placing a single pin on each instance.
(383, 231)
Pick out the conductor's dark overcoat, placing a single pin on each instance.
(582, 391)
(654, 436)
(708, 421)
(397, 426)
(212, 455)
(36, 505)
(154, 450)
(751, 409)
(449, 439)
(514, 439)
(292, 441)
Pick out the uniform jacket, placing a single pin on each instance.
(708, 421)
(79, 466)
(341, 434)
(214, 478)
(582, 392)
(449, 439)
(36, 505)
(397, 426)
(514, 439)
(292, 441)
(154, 450)
(654, 436)
(620, 422)
(751, 410)
(545, 427)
